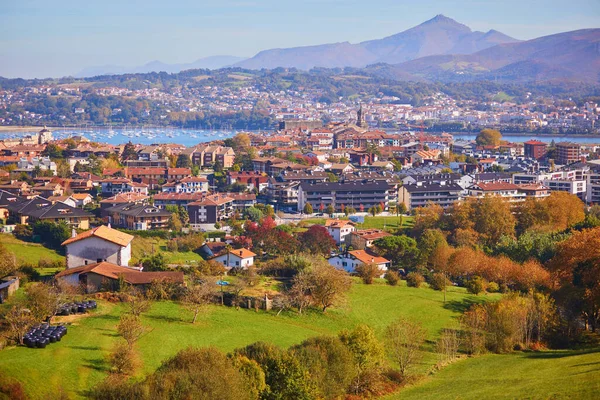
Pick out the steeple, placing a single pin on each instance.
(360, 120)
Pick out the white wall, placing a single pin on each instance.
(92, 249)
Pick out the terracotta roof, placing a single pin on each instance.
(242, 253)
(80, 196)
(131, 276)
(336, 223)
(105, 233)
(371, 234)
(367, 258)
(128, 197)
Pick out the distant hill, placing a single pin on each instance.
(440, 35)
(213, 62)
(570, 56)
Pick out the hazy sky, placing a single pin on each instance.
(49, 38)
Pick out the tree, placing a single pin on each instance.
(330, 210)
(19, 320)
(129, 152)
(307, 209)
(137, 303)
(43, 301)
(122, 359)
(253, 214)
(203, 373)
(368, 272)
(317, 240)
(328, 285)
(241, 142)
(53, 151)
(493, 218)
(130, 328)
(300, 291)
(175, 223)
(576, 270)
(488, 137)
(199, 295)
(329, 363)
(8, 261)
(403, 339)
(285, 377)
(156, 262)
(183, 161)
(367, 352)
(401, 250)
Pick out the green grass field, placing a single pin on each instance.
(29, 253)
(143, 247)
(388, 223)
(539, 375)
(78, 361)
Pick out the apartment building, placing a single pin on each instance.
(358, 195)
(568, 153)
(210, 209)
(420, 194)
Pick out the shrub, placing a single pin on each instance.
(493, 287)
(23, 232)
(476, 285)
(414, 279)
(122, 359)
(392, 278)
(438, 281)
(368, 272)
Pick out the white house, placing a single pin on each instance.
(339, 229)
(352, 259)
(98, 245)
(238, 258)
(82, 199)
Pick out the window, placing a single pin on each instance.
(237, 263)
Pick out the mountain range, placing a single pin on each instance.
(440, 49)
(439, 35)
(213, 62)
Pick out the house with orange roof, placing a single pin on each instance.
(108, 276)
(101, 244)
(350, 260)
(339, 229)
(238, 258)
(364, 238)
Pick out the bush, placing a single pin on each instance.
(414, 279)
(439, 281)
(190, 242)
(392, 278)
(493, 287)
(11, 388)
(122, 359)
(368, 272)
(476, 285)
(23, 232)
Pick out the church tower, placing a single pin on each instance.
(360, 120)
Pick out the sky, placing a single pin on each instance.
(54, 38)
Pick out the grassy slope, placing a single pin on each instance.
(77, 362)
(390, 223)
(142, 247)
(28, 252)
(543, 375)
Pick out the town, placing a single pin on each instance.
(243, 100)
(314, 201)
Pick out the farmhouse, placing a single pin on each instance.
(107, 276)
(101, 244)
(239, 258)
(352, 259)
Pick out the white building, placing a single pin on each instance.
(352, 259)
(238, 258)
(339, 229)
(98, 245)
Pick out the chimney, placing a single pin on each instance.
(109, 227)
(73, 233)
(241, 252)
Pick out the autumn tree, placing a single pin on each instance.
(403, 340)
(307, 209)
(8, 262)
(19, 320)
(122, 359)
(368, 355)
(198, 295)
(488, 137)
(43, 300)
(328, 285)
(427, 217)
(130, 328)
(492, 219)
(317, 240)
(576, 271)
(368, 272)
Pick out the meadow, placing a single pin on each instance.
(78, 362)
